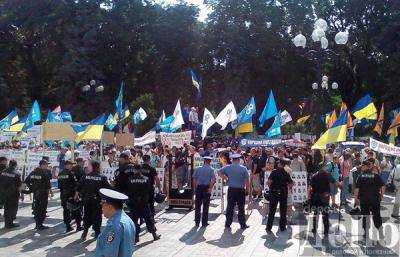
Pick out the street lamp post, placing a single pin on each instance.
(321, 87)
(91, 90)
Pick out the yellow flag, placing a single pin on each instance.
(303, 120)
(332, 119)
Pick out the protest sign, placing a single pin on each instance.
(299, 189)
(124, 139)
(259, 142)
(34, 135)
(148, 138)
(384, 148)
(176, 139)
(58, 131)
(108, 138)
(7, 136)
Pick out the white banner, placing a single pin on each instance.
(148, 138)
(299, 189)
(384, 148)
(7, 136)
(176, 139)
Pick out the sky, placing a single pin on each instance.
(204, 9)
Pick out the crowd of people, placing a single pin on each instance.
(334, 178)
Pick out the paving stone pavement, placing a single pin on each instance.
(180, 238)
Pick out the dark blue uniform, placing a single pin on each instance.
(369, 186)
(38, 182)
(10, 181)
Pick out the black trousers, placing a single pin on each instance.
(92, 215)
(142, 211)
(70, 215)
(236, 196)
(321, 209)
(151, 202)
(39, 206)
(367, 208)
(10, 208)
(202, 199)
(273, 204)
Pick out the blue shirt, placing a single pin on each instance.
(204, 175)
(237, 175)
(117, 238)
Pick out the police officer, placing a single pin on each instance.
(10, 182)
(38, 181)
(117, 237)
(89, 189)
(147, 170)
(125, 168)
(279, 182)
(3, 167)
(368, 194)
(319, 194)
(238, 186)
(69, 194)
(138, 192)
(203, 181)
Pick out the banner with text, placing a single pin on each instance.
(176, 139)
(383, 148)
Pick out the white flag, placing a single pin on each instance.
(142, 113)
(178, 119)
(285, 117)
(162, 117)
(228, 114)
(208, 121)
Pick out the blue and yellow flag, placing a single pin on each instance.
(365, 109)
(94, 130)
(9, 120)
(244, 122)
(337, 133)
(34, 115)
(79, 129)
(270, 109)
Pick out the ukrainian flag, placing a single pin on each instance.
(245, 118)
(332, 119)
(79, 129)
(365, 109)
(337, 133)
(94, 130)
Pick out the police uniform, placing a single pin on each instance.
(150, 173)
(320, 193)
(279, 181)
(89, 189)
(38, 181)
(117, 238)
(68, 186)
(369, 187)
(10, 181)
(237, 176)
(138, 192)
(204, 177)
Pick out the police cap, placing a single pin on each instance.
(111, 196)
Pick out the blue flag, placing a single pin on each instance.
(111, 122)
(165, 125)
(66, 116)
(269, 111)
(53, 117)
(246, 115)
(196, 81)
(119, 102)
(35, 112)
(9, 120)
(275, 129)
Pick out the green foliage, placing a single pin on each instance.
(147, 103)
(50, 49)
